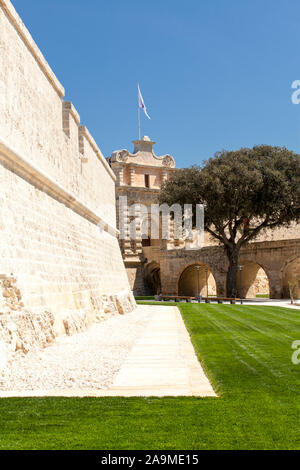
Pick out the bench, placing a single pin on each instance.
(220, 300)
(207, 300)
(177, 297)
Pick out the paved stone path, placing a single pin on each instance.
(162, 362)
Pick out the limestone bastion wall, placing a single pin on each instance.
(60, 263)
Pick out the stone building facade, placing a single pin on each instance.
(60, 262)
(139, 176)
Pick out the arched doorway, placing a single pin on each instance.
(197, 279)
(252, 281)
(291, 279)
(152, 276)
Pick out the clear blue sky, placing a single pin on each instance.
(214, 73)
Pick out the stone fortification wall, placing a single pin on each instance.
(58, 236)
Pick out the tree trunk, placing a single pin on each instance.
(231, 280)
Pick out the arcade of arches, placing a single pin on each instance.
(198, 279)
(268, 269)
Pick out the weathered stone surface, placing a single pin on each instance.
(24, 330)
(10, 295)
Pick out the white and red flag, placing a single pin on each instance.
(141, 102)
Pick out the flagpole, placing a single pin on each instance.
(139, 123)
(139, 118)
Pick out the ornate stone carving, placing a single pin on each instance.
(168, 161)
(122, 156)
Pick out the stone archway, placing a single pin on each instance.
(291, 278)
(152, 276)
(190, 283)
(252, 281)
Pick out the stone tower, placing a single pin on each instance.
(139, 177)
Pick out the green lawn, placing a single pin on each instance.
(246, 352)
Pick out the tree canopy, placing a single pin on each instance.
(243, 192)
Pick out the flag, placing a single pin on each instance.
(141, 102)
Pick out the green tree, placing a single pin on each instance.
(244, 192)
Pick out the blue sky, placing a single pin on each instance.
(214, 74)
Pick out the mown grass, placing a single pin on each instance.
(245, 351)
